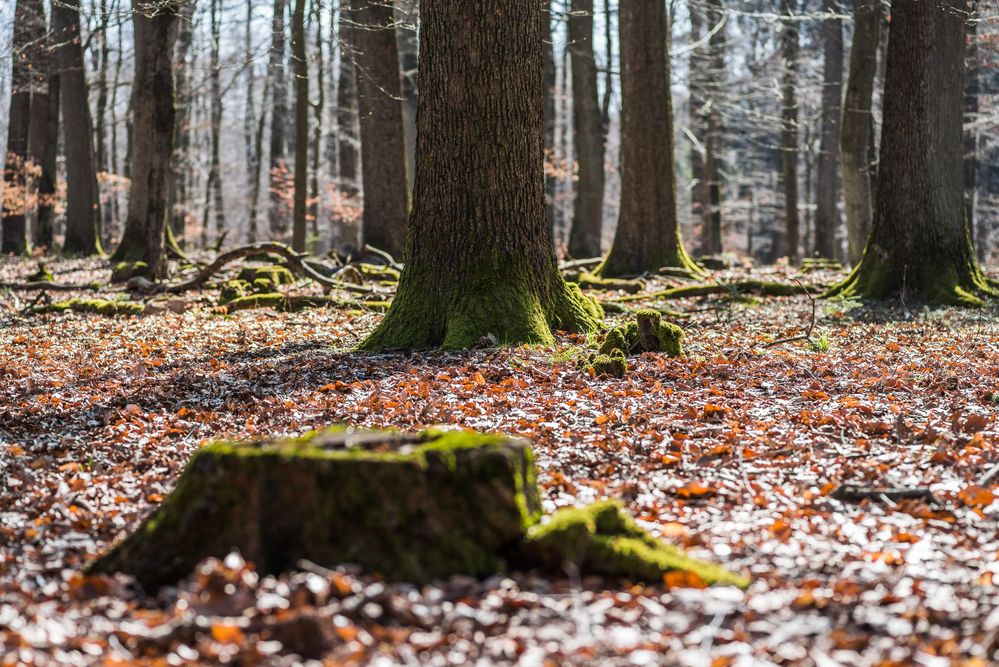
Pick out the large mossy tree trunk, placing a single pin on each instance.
(920, 246)
(371, 36)
(83, 208)
(648, 235)
(855, 139)
(153, 117)
(588, 211)
(479, 261)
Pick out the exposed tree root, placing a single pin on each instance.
(757, 287)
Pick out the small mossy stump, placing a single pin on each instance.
(613, 364)
(648, 333)
(417, 508)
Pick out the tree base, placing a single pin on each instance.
(619, 264)
(499, 311)
(945, 285)
(408, 507)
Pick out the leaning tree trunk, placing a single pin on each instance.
(300, 67)
(153, 117)
(648, 236)
(858, 125)
(588, 213)
(920, 247)
(789, 133)
(371, 34)
(479, 261)
(15, 199)
(83, 208)
(827, 192)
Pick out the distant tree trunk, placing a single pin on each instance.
(409, 60)
(255, 165)
(43, 128)
(697, 64)
(347, 122)
(318, 118)
(588, 213)
(789, 132)
(300, 68)
(608, 70)
(83, 208)
(550, 77)
(971, 110)
(827, 218)
(858, 125)
(712, 132)
(15, 191)
(45, 223)
(181, 166)
(383, 139)
(213, 188)
(647, 236)
(153, 118)
(279, 112)
(920, 247)
(249, 128)
(479, 262)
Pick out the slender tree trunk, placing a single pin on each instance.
(153, 118)
(971, 110)
(827, 220)
(858, 126)
(479, 262)
(712, 132)
(920, 247)
(250, 125)
(180, 179)
(318, 109)
(648, 235)
(15, 191)
(697, 64)
(41, 127)
(279, 112)
(608, 71)
(408, 12)
(45, 223)
(255, 165)
(214, 186)
(348, 131)
(383, 139)
(789, 132)
(83, 209)
(300, 68)
(588, 213)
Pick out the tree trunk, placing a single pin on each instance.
(550, 77)
(479, 261)
(347, 127)
(858, 125)
(43, 125)
(300, 67)
(318, 117)
(153, 118)
(15, 191)
(971, 110)
(250, 124)
(827, 218)
(383, 138)
(698, 66)
(648, 236)
(712, 133)
(588, 213)
(920, 247)
(83, 208)
(181, 167)
(789, 132)
(45, 223)
(279, 113)
(408, 12)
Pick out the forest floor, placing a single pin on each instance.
(735, 452)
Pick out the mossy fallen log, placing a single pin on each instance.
(407, 507)
(96, 306)
(288, 303)
(757, 287)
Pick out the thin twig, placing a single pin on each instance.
(811, 325)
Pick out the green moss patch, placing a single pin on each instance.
(417, 507)
(272, 275)
(97, 306)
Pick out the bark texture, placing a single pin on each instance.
(153, 117)
(827, 218)
(83, 209)
(479, 261)
(789, 133)
(647, 236)
(371, 35)
(855, 142)
(588, 139)
(920, 246)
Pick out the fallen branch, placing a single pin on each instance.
(296, 264)
(389, 259)
(855, 494)
(811, 325)
(580, 263)
(759, 287)
(52, 287)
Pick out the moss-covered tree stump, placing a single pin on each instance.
(407, 507)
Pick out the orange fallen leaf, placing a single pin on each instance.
(227, 634)
(976, 496)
